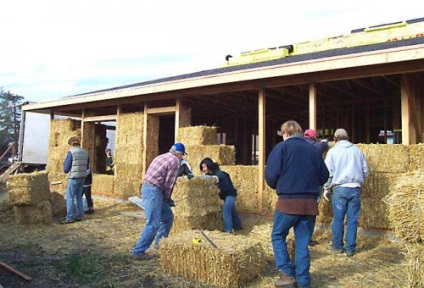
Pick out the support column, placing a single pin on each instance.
(312, 107)
(261, 133)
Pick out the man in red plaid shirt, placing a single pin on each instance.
(156, 191)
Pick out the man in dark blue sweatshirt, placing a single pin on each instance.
(296, 170)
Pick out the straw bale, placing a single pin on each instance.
(128, 154)
(269, 200)
(58, 177)
(29, 189)
(211, 221)
(416, 157)
(236, 261)
(34, 214)
(197, 135)
(262, 233)
(374, 214)
(385, 158)
(103, 185)
(415, 265)
(378, 185)
(58, 204)
(325, 210)
(222, 154)
(406, 207)
(245, 179)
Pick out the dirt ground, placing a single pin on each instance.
(96, 252)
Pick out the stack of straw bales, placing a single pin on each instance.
(200, 142)
(30, 195)
(197, 205)
(386, 163)
(237, 259)
(262, 233)
(60, 132)
(128, 154)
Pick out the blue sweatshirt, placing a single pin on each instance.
(296, 169)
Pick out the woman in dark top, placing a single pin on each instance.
(228, 193)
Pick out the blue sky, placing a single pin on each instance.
(56, 48)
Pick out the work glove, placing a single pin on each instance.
(327, 194)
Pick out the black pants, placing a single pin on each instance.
(87, 192)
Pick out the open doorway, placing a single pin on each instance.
(166, 132)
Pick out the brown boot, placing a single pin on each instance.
(285, 281)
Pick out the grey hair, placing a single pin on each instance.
(173, 150)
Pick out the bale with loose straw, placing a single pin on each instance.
(325, 210)
(197, 205)
(235, 261)
(58, 177)
(269, 200)
(29, 189)
(378, 185)
(34, 214)
(374, 214)
(378, 160)
(197, 135)
(58, 204)
(416, 157)
(262, 234)
(415, 265)
(245, 179)
(406, 207)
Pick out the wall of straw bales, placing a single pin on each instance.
(237, 259)
(60, 132)
(128, 154)
(103, 185)
(416, 157)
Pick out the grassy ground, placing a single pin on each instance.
(97, 253)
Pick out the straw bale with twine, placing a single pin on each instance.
(197, 135)
(29, 189)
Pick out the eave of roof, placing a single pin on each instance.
(382, 53)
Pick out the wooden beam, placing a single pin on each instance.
(161, 110)
(405, 111)
(104, 118)
(261, 146)
(145, 139)
(312, 106)
(178, 107)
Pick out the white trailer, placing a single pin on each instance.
(33, 146)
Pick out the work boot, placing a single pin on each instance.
(285, 281)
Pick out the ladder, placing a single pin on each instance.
(9, 171)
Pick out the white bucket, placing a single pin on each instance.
(84, 204)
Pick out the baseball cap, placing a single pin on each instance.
(340, 133)
(310, 134)
(179, 147)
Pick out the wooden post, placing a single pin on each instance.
(178, 107)
(405, 108)
(146, 106)
(261, 133)
(312, 107)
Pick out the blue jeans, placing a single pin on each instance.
(230, 215)
(346, 203)
(159, 218)
(303, 226)
(74, 191)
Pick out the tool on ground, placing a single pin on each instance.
(14, 271)
(207, 239)
(196, 240)
(137, 201)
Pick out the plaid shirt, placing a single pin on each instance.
(163, 172)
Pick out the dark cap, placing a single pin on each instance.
(179, 147)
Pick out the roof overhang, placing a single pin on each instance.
(372, 58)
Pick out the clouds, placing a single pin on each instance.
(55, 48)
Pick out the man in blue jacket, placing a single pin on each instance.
(296, 170)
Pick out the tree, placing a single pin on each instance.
(10, 119)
